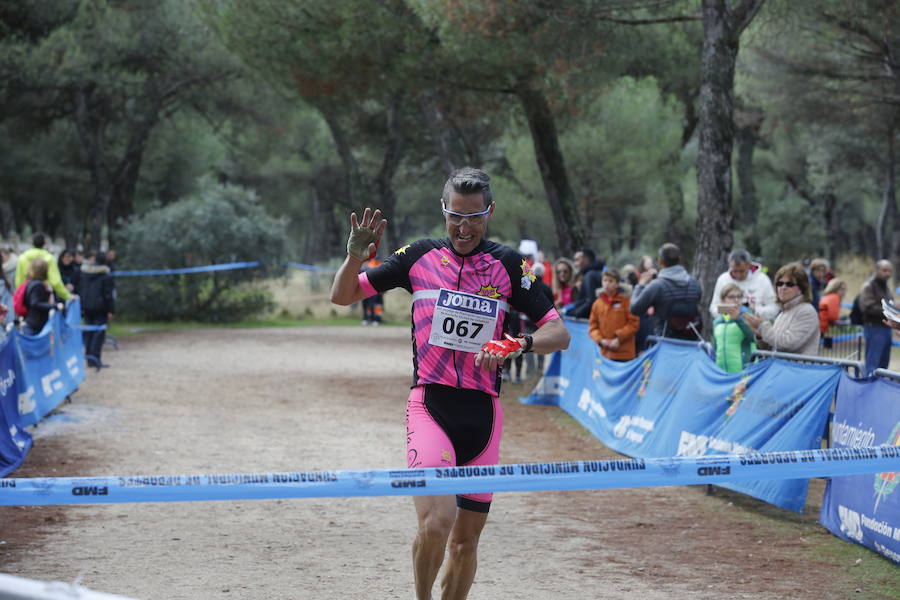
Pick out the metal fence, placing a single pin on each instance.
(856, 367)
(842, 341)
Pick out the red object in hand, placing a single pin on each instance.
(509, 347)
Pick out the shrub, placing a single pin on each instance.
(217, 224)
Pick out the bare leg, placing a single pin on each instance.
(460, 571)
(436, 515)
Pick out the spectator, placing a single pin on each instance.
(39, 298)
(673, 295)
(111, 257)
(590, 273)
(98, 303)
(645, 265)
(6, 299)
(10, 260)
(53, 276)
(733, 338)
(830, 306)
(875, 333)
(818, 279)
(612, 325)
(68, 270)
(373, 306)
(563, 282)
(796, 328)
(755, 286)
(534, 363)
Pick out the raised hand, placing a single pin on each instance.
(364, 237)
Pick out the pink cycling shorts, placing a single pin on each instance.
(454, 427)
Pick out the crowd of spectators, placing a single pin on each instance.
(35, 282)
(794, 312)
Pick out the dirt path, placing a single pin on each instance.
(229, 401)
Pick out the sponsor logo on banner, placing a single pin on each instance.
(27, 403)
(7, 382)
(886, 483)
(50, 383)
(851, 525)
(592, 407)
(72, 365)
(736, 397)
(645, 377)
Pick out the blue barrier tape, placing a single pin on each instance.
(846, 336)
(219, 267)
(91, 327)
(304, 267)
(187, 270)
(573, 475)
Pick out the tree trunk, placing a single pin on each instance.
(356, 185)
(127, 171)
(384, 182)
(7, 219)
(440, 131)
(748, 123)
(890, 193)
(721, 33)
(90, 133)
(547, 151)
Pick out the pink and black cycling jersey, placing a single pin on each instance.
(491, 270)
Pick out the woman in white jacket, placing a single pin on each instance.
(796, 328)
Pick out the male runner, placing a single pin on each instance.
(462, 287)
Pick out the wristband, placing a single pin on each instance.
(529, 342)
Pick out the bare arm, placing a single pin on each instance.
(345, 289)
(362, 243)
(550, 337)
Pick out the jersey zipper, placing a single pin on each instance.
(462, 264)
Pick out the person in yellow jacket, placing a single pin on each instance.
(53, 276)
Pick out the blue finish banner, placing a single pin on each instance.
(15, 442)
(569, 475)
(866, 508)
(674, 400)
(49, 365)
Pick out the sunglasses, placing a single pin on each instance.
(456, 218)
(789, 284)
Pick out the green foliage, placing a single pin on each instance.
(217, 224)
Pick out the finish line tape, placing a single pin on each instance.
(574, 475)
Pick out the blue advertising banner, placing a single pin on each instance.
(866, 508)
(15, 442)
(673, 400)
(49, 365)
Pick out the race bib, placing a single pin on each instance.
(462, 321)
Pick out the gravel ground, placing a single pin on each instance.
(262, 400)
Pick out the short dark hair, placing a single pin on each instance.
(38, 240)
(468, 180)
(90, 254)
(739, 256)
(100, 258)
(589, 254)
(670, 254)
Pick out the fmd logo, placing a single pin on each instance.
(407, 483)
(90, 491)
(468, 303)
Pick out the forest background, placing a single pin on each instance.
(616, 124)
